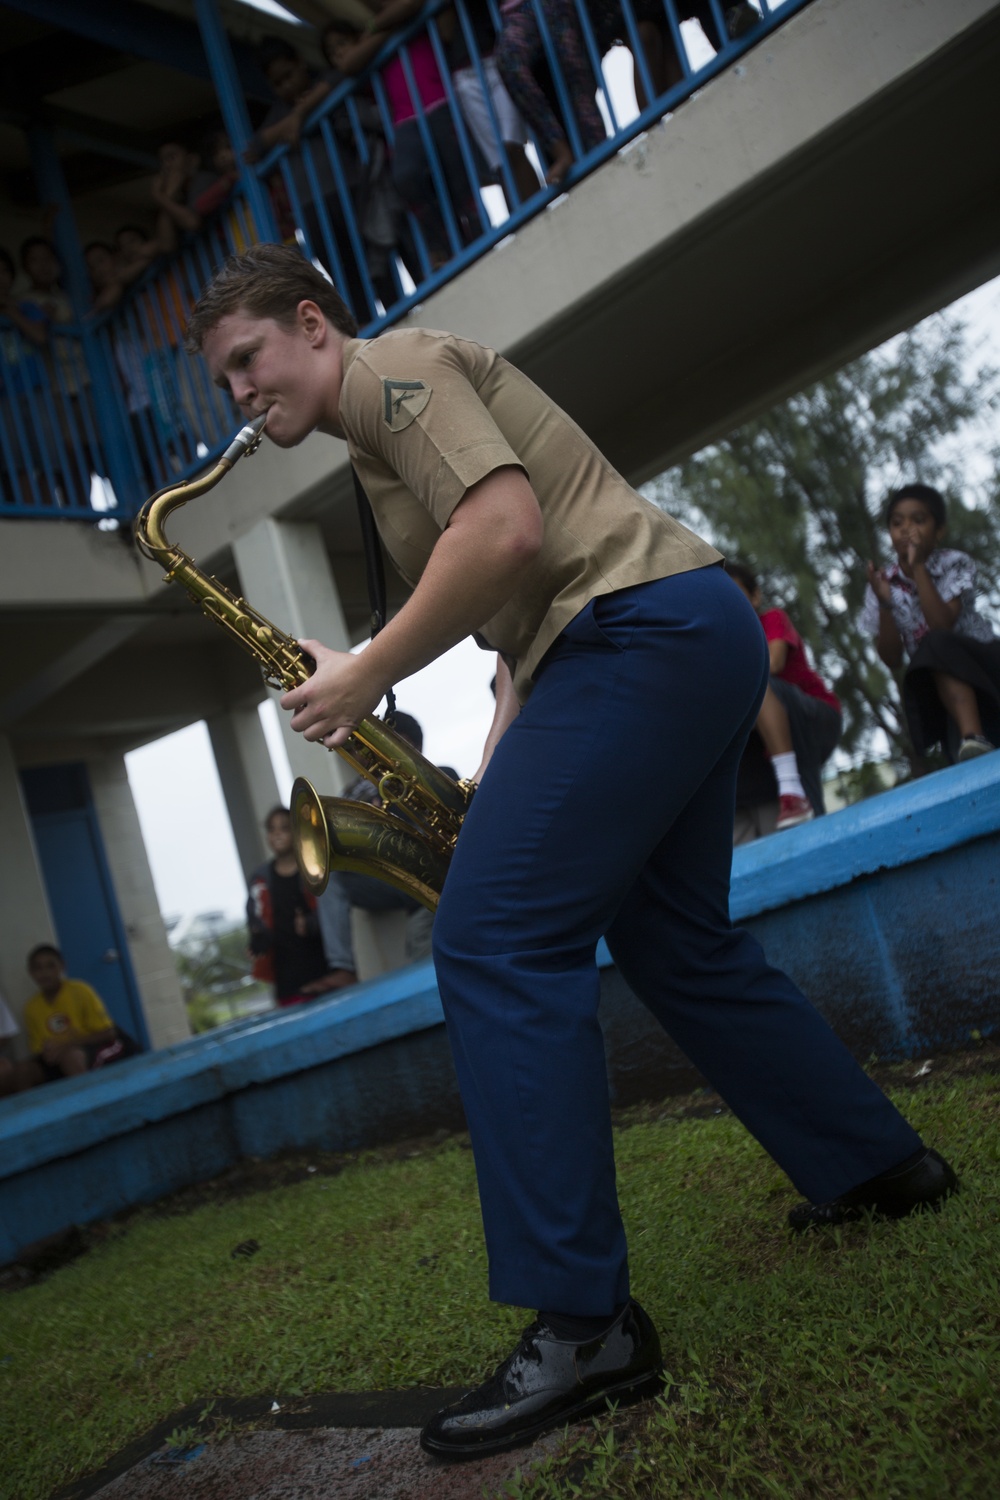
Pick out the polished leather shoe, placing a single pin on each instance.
(548, 1382)
(923, 1181)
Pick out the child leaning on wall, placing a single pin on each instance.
(922, 608)
(798, 727)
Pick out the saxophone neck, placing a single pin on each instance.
(149, 534)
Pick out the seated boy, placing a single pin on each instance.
(797, 730)
(69, 1030)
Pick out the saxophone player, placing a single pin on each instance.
(614, 625)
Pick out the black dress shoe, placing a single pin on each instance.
(923, 1181)
(548, 1382)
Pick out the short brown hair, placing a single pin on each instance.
(267, 281)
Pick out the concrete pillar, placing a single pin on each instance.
(248, 782)
(152, 959)
(25, 918)
(285, 573)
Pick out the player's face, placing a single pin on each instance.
(267, 367)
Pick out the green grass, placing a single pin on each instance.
(864, 1363)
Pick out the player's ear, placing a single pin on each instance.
(311, 320)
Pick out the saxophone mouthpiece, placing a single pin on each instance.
(246, 441)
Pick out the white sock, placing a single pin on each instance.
(786, 769)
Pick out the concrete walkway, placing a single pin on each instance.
(344, 1453)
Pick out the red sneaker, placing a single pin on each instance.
(793, 810)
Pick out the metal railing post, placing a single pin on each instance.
(234, 112)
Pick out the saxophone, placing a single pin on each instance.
(408, 841)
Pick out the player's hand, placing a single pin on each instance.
(335, 699)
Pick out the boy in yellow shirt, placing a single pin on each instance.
(69, 1030)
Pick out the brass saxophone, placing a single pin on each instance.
(408, 842)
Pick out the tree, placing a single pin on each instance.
(799, 495)
(213, 964)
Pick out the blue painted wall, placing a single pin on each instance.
(887, 914)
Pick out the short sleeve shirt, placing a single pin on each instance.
(797, 669)
(427, 415)
(75, 1007)
(953, 575)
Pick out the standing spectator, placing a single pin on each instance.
(799, 721)
(380, 209)
(172, 191)
(411, 167)
(922, 607)
(69, 1030)
(284, 928)
(106, 281)
(130, 358)
(65, 365)
(657, 38)
(513, 133)
(521, 54)
(25, 425)
(298, 91)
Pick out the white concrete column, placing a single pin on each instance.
(152, 961)
(248, 781)
(25, 918)
(285, 573)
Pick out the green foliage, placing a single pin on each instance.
(213, 965)
(862, 1363)
(798, 495)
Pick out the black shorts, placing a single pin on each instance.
(974, 662)
(815, 726)
(98, 1054)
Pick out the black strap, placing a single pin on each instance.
(375, 573)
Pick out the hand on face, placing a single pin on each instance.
(334, 700)
(914, 533)
(918, 550)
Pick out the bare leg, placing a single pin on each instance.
(525, 178)
(773, 726)
(560, 162)
(662, 61)
(960, 702)
(73, 1062)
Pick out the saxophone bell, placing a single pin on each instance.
(335, 833)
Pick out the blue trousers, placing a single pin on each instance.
(607, 811)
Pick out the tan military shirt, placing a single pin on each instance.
(427, 415)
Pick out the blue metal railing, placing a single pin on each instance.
(383, 189)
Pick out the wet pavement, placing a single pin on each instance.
(360, 1459)
(323, 1464)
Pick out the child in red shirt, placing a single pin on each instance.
(799, 721)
